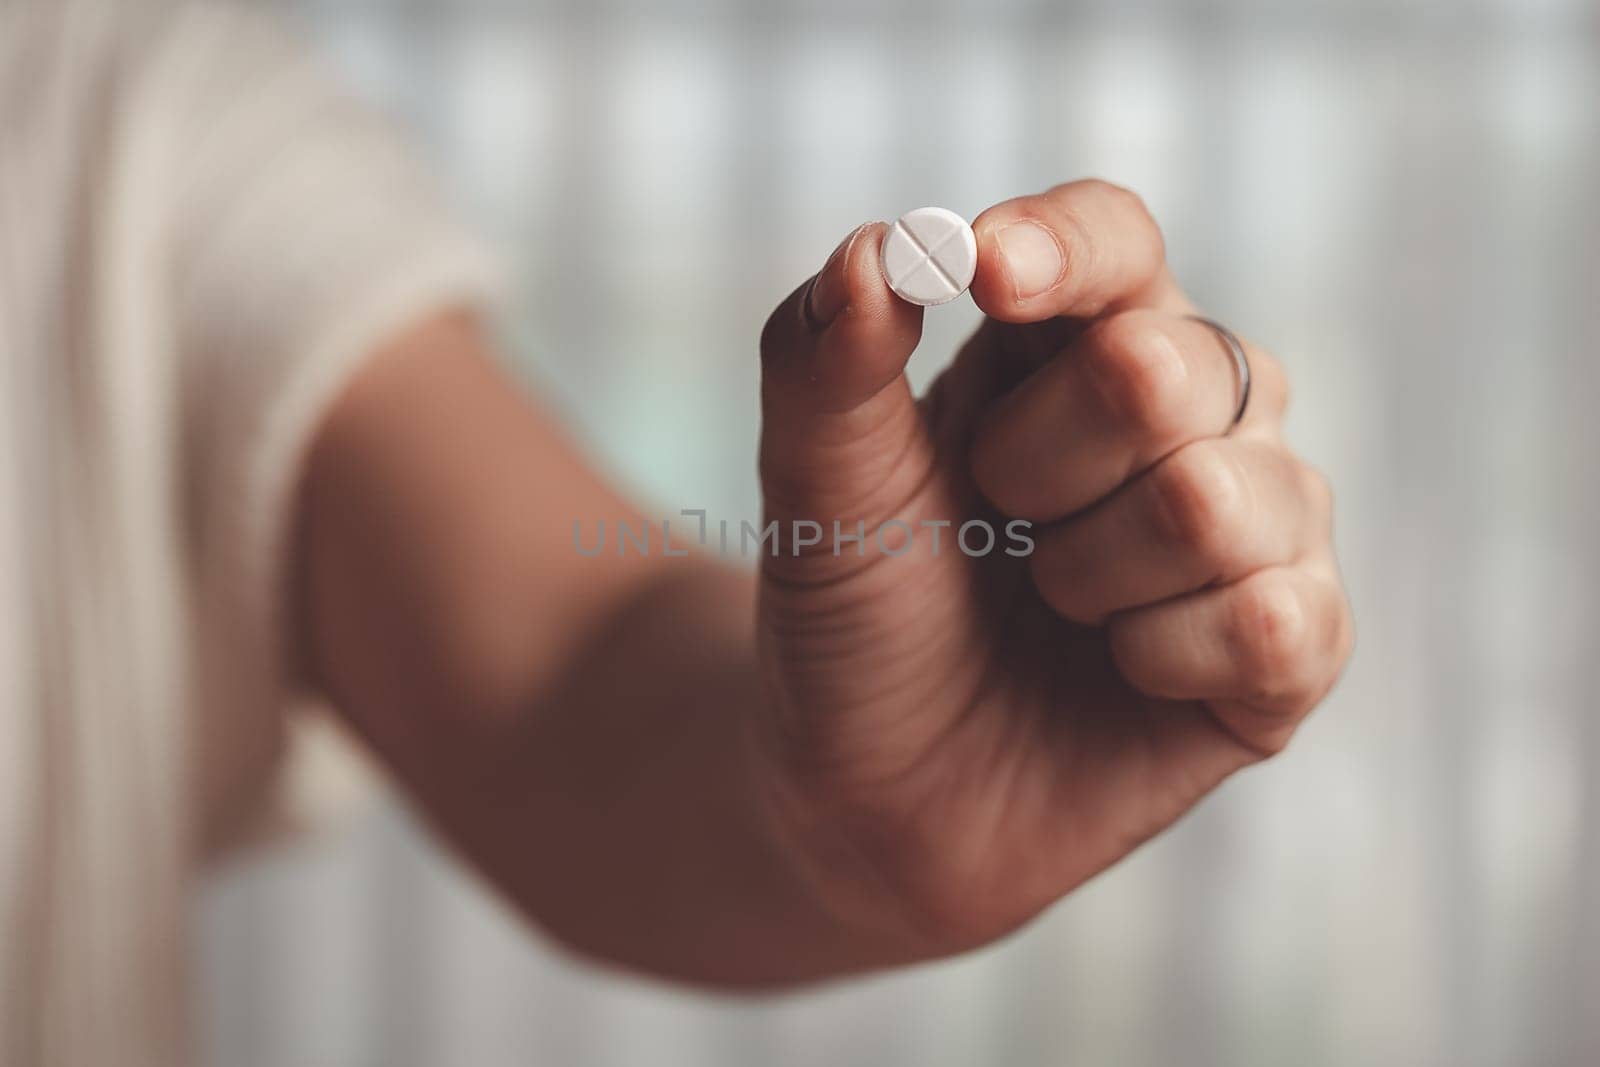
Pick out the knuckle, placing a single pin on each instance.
(1271, 637)
(1283, 391)
(1200, 501)
(1138, 373)
(1134, 208)
(1269, 383)
(1330, 651)
(1271, 742)
(1318, 493)
(1120, 194)
(1343, 641)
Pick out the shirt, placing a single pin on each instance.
(201, 238)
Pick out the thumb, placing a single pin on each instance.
(839, 422)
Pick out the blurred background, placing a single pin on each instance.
(1397, 197)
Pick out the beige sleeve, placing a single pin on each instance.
(306, 235)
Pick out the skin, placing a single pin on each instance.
(843, 762)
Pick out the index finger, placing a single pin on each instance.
(1078, 250)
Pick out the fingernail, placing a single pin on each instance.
(1033, 257)
(829, 291)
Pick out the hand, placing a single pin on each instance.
(957, 741)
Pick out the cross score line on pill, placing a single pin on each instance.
(929, 256)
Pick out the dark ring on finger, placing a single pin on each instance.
(1241, 364)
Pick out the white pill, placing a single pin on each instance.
(930, 256)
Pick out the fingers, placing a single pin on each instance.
(837, 413)
(1077, 250)
(1208, 554)
(1262, 652)
(1212, 512)
(1134, 387)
